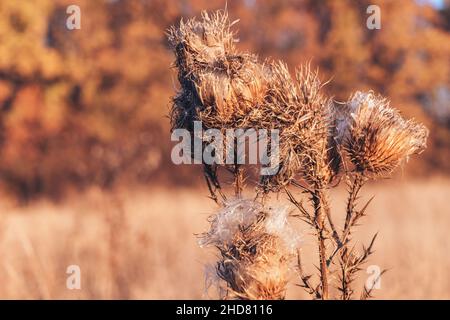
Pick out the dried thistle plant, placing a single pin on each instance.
(321, 142)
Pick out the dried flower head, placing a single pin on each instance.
(377, 138)
(218, 83)
(257, 249)
(304, 117)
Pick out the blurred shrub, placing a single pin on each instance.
(88, 106)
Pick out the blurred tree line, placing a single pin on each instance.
(88, 106)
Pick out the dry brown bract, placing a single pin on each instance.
(378, 138)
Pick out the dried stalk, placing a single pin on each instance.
(318, 201)
(350, 263)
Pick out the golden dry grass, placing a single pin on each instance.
(141, 244)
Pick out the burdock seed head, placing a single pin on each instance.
(257, 248)
(377, 138)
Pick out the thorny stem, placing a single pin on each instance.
(318, 201)
(354, 188)
(320, 205)
(213, 184)
(335, 234)
(348, 266)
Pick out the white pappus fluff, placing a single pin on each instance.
(346, 113)
(241, 213)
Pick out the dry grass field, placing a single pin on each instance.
(141, 245)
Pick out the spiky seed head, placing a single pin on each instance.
(230, 92)
(218, 83)
(200, 44)
(377, 138)
(304, 117)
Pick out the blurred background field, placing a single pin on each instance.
(85, 170)
(140, 244)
